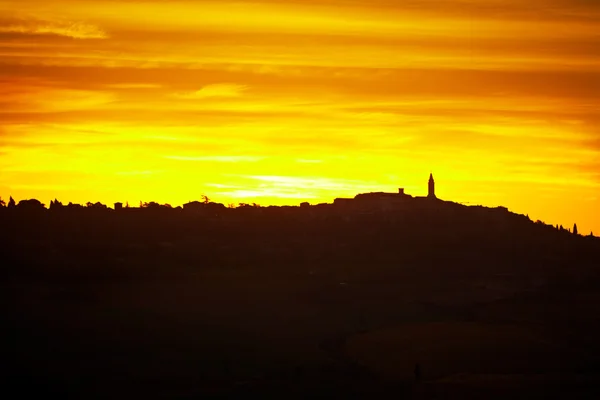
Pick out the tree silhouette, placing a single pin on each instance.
(155, 206)
(74, 206)
(418, 372)
(575, 229)
(54, 204)
(205, 199)
(2, 202)
(97, 205)
(32, 204)
(11, 203)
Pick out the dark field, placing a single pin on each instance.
(298, 303)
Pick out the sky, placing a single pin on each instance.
(285, 101)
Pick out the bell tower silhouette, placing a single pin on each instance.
(431, 192)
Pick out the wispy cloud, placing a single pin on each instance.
(226, 159)
(310, 182)
(126, 86)
(71, 29)
(214, 90)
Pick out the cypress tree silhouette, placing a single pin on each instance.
(11, 203)
(575, 229)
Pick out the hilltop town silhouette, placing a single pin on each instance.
(362, 203)
(381, 295)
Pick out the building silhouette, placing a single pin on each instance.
(431, 192)
(382, 201)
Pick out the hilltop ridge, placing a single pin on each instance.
(201, 297)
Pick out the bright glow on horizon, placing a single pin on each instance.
(279, 102)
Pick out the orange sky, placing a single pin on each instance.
(279, 102)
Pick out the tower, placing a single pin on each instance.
(431, 192)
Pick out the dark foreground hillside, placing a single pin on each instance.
(326, 301)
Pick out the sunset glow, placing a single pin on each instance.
(280, 102)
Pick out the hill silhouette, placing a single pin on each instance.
(208, 300)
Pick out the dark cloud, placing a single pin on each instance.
(368, 82)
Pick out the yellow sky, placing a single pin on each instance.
(279, 102)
